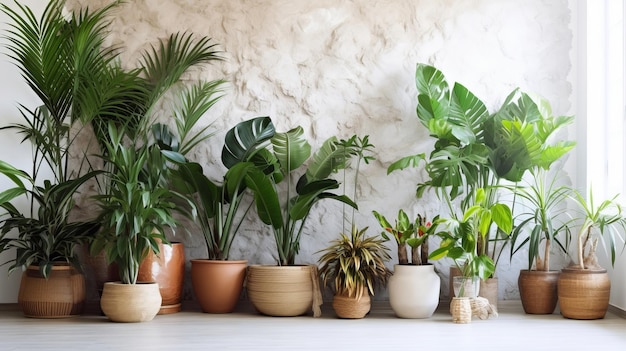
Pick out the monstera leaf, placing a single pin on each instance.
(244, 140)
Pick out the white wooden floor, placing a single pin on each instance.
(380, 330)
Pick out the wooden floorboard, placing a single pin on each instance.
(247, 330)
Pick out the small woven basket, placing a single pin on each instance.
(461, 310)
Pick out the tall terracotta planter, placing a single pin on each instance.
(414, 291)
(167, 269)
(218, 284)
(538, 291)
(583, 294)
(284, 291)
(61, 295)
(130, 303)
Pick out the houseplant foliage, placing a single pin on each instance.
(584, 287)
(414, 287)
(355, 265)
(478, 149)
(56, 56)
(413, 233)
(285, 207)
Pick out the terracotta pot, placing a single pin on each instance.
(218, 284)
(583, 294)
(538, 291)
(284, 290)
(130, 302)
(461, 310)
(489, 290)
(351, 307)
(167, 269)
(414, 291)
(61, 295)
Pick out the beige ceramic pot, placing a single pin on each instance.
(61, 295)
(414, 291)
(130, 302)
(218, 284)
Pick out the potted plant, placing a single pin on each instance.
(543, 220)
(478, 149)
(135, 211)
(285, 206)
(218, 280)
(584, 287)
(414, 287)
(56, 67)
(461, 245)
(354, 265)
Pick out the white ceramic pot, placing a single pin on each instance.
(414, 291)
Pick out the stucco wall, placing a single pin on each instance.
(346, 67)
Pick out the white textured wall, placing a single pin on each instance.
(345, 67)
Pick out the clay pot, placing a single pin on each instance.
(130, 303)
(167, 269)
(352, 307)
(283, 290)
(538, 291)
(61, 295)
(414, 291)
(583, 294)
(218, 284)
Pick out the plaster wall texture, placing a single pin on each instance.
(347, 67)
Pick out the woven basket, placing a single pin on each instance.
(461, 310)
(352, 307)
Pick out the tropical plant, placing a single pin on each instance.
(544, 217)
(603, 222)
(412, 233)
(137, 206)
(56, 56)
(218, 205)
(355, 263)
(462, 241)
(287, 208)
(475, 149)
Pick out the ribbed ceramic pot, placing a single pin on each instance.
(414, 291)
(352, 307)
(583, 294)
(217, 285)
(167, 269)
(281, 291)
(61, 295)
(130, 303)
(538, 291)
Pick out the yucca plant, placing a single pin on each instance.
(355, 264)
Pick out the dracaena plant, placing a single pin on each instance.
(414, 233)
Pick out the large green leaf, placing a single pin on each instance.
(245, 139)
(291, 149)
(328, 159)
(467, 114)
(265, 198)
